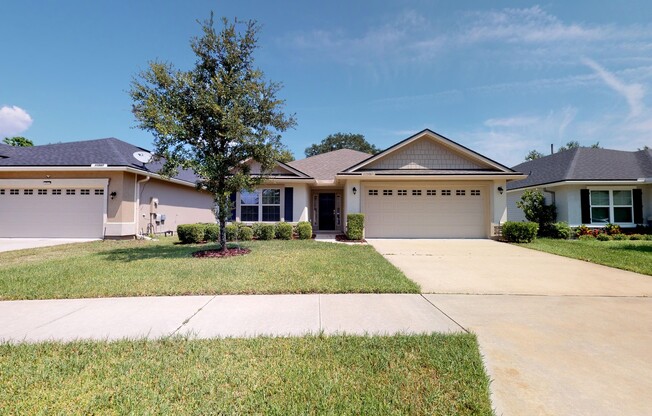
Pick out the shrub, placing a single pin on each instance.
(586, 237)
(246, 233)
(603, 237)
(559, 230)
(284, 231)
(231, 232)
(584, 230)
(191, 233)
(648, 237)
(304, 230)
(211, 232)
(355, 226)
(257, 227)
(612, 229)
(635, 237)
(520, 232)
(267, 232)
(535, 209)
(620, 237)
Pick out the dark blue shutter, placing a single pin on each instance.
(289, 199)
(637, 195)
(232, 197)
(585, 200)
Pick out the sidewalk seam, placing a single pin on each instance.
(445, 314)
(319, 309)
(192, 316)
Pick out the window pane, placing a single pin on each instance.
(271, 196)
(623, 215)
(249, 198)
(600, 215)
(599, 197)
(622, 197)
(249, 213)
(271, 213)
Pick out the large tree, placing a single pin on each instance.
(18, 141)
(342, 141)
(215, 116)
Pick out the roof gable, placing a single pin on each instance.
(326, 165)
(428, 151)
(281, 170)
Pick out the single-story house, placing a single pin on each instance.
(425, 186)
(589, 186)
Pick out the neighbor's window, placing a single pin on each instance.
(612, 206)
(260, 205)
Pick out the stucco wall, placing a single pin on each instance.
(180, 204)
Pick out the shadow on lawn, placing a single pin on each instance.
(641, 248)
(154, 252)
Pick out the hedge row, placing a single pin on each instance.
(198, 233)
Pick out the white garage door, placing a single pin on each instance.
(425, 210)
(33, 212)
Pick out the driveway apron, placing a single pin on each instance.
(558, 336)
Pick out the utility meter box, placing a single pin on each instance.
(153, 205)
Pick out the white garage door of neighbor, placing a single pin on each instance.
(52, 213)
(425, 211)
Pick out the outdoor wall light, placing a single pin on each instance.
(113, 194)
(500, 190)
(355, 191)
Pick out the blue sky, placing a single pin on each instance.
(499, 77)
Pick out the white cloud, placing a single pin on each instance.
(633, 93)
(511, 121)
(13, 120)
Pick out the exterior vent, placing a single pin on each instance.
(99, 165)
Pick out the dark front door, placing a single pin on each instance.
(326, 211)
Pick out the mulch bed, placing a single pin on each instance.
(343, 238)
(217, 253)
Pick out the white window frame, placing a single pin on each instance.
(612, 206)
(260, 205)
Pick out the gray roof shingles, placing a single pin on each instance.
(326, 165)
(585, 164)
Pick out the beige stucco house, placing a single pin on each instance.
(426, 186)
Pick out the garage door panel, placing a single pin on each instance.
(52, 216)
(461, 215)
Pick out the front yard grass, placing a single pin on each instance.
(635, 256)
(148, 268)
(339, 375)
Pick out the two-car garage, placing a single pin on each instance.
(425, 210)
(64, 208)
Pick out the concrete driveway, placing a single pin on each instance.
(559, 336)
(12, 244)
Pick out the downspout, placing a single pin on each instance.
(137, 207)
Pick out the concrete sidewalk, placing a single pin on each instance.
(219, 316)
(13, 244)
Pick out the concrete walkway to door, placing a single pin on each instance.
(558, 336)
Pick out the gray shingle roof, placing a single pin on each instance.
(326, 165)
(585, 164)
(110, 151)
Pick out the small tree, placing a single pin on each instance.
(534, 154)
(215, 116)
(534, 206)
(18, 141)
(342, 141)
(573, 144)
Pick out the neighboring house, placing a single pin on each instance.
(426, 186)
(590, 186)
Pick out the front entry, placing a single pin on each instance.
(326, 212)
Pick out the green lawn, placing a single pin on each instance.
(341, 375)
(635, 256)
(146, 268)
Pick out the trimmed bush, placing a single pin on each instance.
(231, 232)
(212, 232)
(355, 226)
(603, 237)
(246, 233)
(520, 232)
(191, 233)
(304, 230)
(559, 230)
(267, 232)
(586, 237)
(635, 237)
(284, 231)
(620, 237)
(257, 229)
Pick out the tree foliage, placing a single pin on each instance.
(216, 115)
(534, 154)
(573, 144)
(18, 141)
(342, 141)
(533, 204)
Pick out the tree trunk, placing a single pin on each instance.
(223, 210)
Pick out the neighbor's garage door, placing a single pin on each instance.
(32, 212)
(425, 210)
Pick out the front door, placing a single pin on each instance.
(326, 211)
